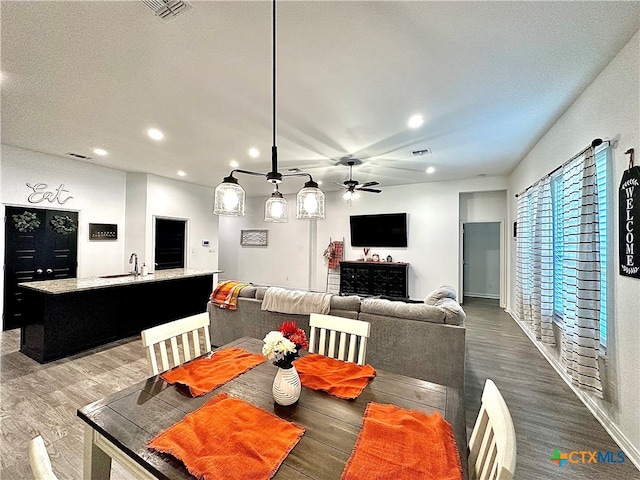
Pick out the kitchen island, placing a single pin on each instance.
(67, 316)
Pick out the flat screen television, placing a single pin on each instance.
(383, 230)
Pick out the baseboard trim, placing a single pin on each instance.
(482, 295)
(632, 453)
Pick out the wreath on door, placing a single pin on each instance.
(63, 224)
(26, 222)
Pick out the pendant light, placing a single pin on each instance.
(229, 196)
(276, 208)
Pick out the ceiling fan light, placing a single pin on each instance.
(276, 209)
(350, 195)
(310, 202)
(229, 198)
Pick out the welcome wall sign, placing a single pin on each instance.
(629, 221)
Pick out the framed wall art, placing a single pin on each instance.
(254, 238)
(103, 231)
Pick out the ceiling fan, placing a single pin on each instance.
(353, 187)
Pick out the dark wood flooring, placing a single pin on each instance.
(546, 413)
(43, 399)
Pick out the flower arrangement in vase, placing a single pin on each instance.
(282, 347)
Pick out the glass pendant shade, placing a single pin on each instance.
(276, 209)
(310, 202)
(229, 198)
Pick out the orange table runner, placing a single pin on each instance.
(400, 444)
(229, 439)
(338, 378)
(204, 374)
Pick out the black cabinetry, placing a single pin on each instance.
(59, 325)
(374, 278)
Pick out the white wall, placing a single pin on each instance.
(103, 195)
(98, 197)
(433, 216)
(168, 198)
(610, 109)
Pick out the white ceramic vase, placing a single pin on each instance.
(286, 386)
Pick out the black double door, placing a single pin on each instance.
(40, 244)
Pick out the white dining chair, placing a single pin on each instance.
(194, 336)
(39, 460)
(492, 447)
(325, 330)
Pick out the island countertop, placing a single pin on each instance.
(69, 285)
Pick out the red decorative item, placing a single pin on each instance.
(294, 334)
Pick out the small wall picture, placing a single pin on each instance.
(254, 238)
(103, 231)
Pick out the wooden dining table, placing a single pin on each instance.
(121, 425)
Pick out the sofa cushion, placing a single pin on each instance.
(454, 314)
(400, 299)
(413, 311)
(248, 292)
(349, 302)
(443, 291)
(260, 291)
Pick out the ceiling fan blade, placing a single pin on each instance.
(369, 184)
(340, 184)
(372, 190)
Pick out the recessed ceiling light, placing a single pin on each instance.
(181, 173)
(99, 151)
(430, 170)
(234, 164)
(415, 121)
(155, 134)
(254, 152)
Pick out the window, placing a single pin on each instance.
(565, 191)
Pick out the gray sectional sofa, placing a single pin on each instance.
(422, 340)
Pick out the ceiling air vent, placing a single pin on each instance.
(426, 151)
(78, 155)
(167, 9)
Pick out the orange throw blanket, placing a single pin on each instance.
(204, 374)
(338, 378)
(399, 444)
(229, 439)
(225, 295)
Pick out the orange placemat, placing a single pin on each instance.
(341, 379)
(399, 444)
(229, 439)
(204, 374)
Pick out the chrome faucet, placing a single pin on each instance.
(135, 266)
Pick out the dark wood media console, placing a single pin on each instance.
(374, 278)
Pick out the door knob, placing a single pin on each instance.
(39, 271)
(49, 270)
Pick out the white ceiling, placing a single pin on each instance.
(489, 78)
